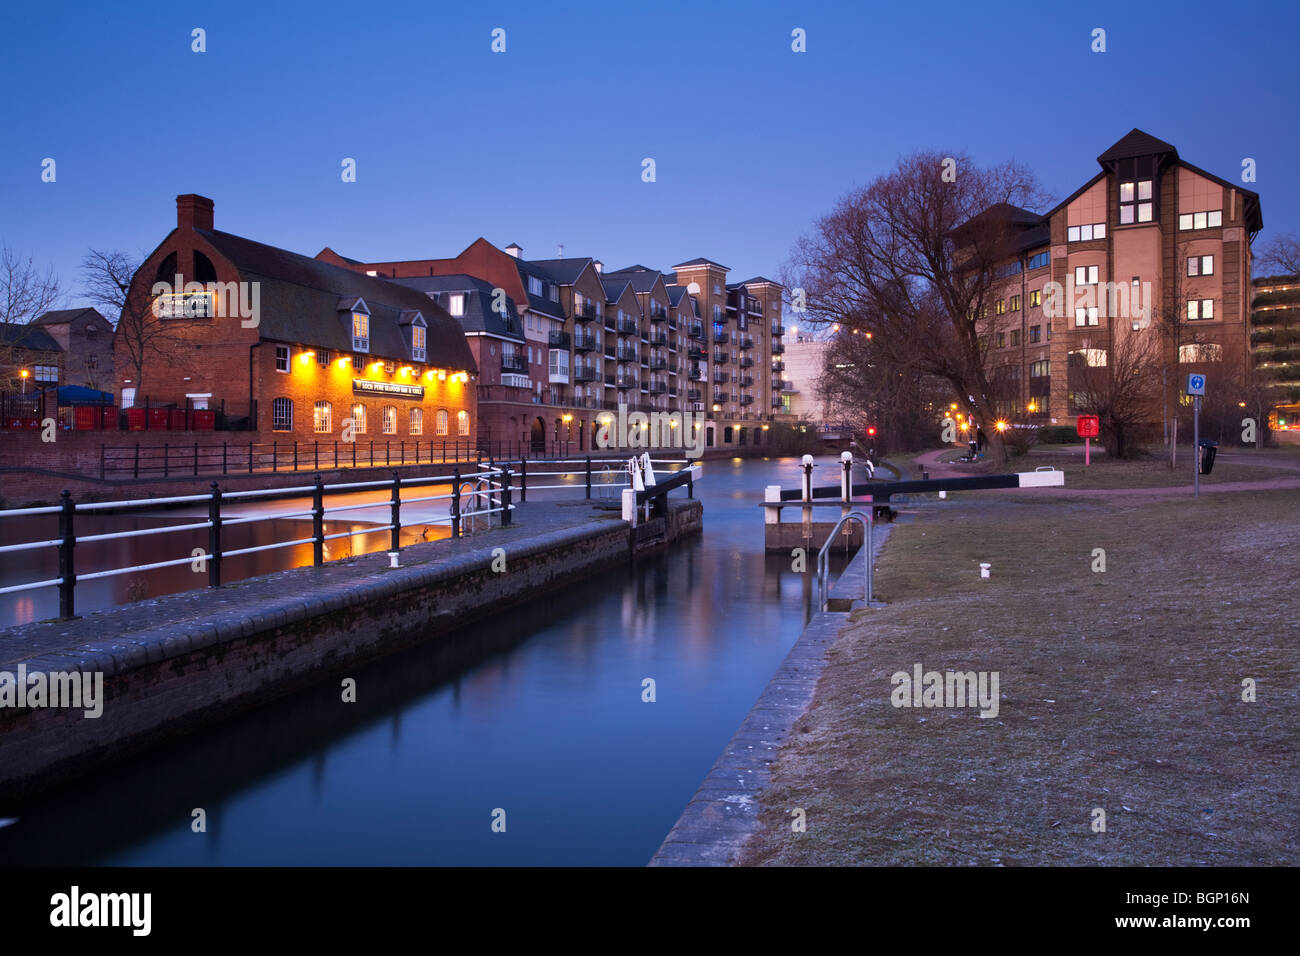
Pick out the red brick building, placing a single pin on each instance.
(289, 345)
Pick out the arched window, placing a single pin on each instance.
(282, 415)
(323, 417)
(462, 422)
(442, 421)
(388, 419)
(204, 270)
(358, 419)
(417, 421)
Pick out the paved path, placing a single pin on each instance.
(930, 461)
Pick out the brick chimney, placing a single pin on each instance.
(193, 212)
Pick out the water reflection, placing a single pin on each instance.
(537, 710)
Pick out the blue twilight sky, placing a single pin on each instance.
(543, 144)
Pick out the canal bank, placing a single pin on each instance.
(173, 665)
(724, 812)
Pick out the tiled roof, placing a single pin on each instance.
(563, 271)
(60, 316)
(702, 262)
(1136, 143)
(479, 315)
(301, 298)
(27, 336)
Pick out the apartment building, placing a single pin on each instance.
(1149, 238)
(1275, 342)
(595, 339)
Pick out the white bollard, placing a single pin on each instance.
(943, 496)
(984, 570)
(629, 506)
(392, 559)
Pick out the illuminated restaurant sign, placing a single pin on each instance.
(388, 388)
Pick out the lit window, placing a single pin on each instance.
(1035, 299)
(322, 417)
(45, 373)
(1145, 211)
(1145, 206)
(462, 422)
(1086, 316)
(282, 415)
(323, 357)
(1200, 265)
(417, 421)
(282, 358)
(388, 418)
(418, 333)
(456, 304)
(358, 419)
(1015, 303)
(1215, 219)
(360, 332)
(128, 398)
(1085, 275)
(441, 422)
(1200, 308)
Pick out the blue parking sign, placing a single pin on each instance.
(1196, 384)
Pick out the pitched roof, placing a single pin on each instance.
(634, 268)
(20, 335)
(60, 316)
(757, 280)
(301, 299)
(1136, 143)
(702, 262)
(563, 271)
(479, 315)
(642, 280)
(614, 288)
(539, 303)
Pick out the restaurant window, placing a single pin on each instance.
(323, 357)
(282, 358)
(417, 421)
(388, 419)
(441, 422)
(282, 415)
(323, 417)
(358, 419)
(360, 332)
(462, 422)
(418, 333)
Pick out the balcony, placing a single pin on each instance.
(721, 378)
(583, 342)
(778, 330)
(778, 366)
(624, 382)
(747, 399)
(587, 313)
(511, 362)
(721, 358)
(695, 374)
(721, 398)
(585, 373)
(559, 340)
(694, 395)
(776, 402)
(746, 362)
(659, 364)
(696, 331)
(659, 316)
(778, 348)
(628, 327)
(626, 354)
(672, 324)
(658, 388)
(695, 352)
(746, 341)
(659, 337)
(721, 338)
(746, 381)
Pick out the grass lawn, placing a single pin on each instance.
(1120, 690)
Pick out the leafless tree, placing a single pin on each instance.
(1178, 333)
(911, 259)
(1119, 385)
(140, 333)
(26, 292)
(1280, 256)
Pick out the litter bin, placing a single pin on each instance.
(1206, 451)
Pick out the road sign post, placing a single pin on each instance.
(1196, 389)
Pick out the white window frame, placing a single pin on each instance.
(283, 356)
(388, 419)
(462, 423)
(322, 414)
(285, 422)
(416, 421)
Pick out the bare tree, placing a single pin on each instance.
(911, 260)
(1281, 255)
(1119, 385)
(1179, 333)
(140, 333)
(26, 292)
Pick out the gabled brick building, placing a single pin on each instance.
(291, 344)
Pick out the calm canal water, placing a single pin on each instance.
(537, 712)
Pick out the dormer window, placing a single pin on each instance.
(534, 285)
(417, 343)
(456, 304)
(360, 332)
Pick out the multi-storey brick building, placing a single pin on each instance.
(1148, 239)
(292, 344)
(598, 339)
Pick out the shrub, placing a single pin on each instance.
(1058, 434)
